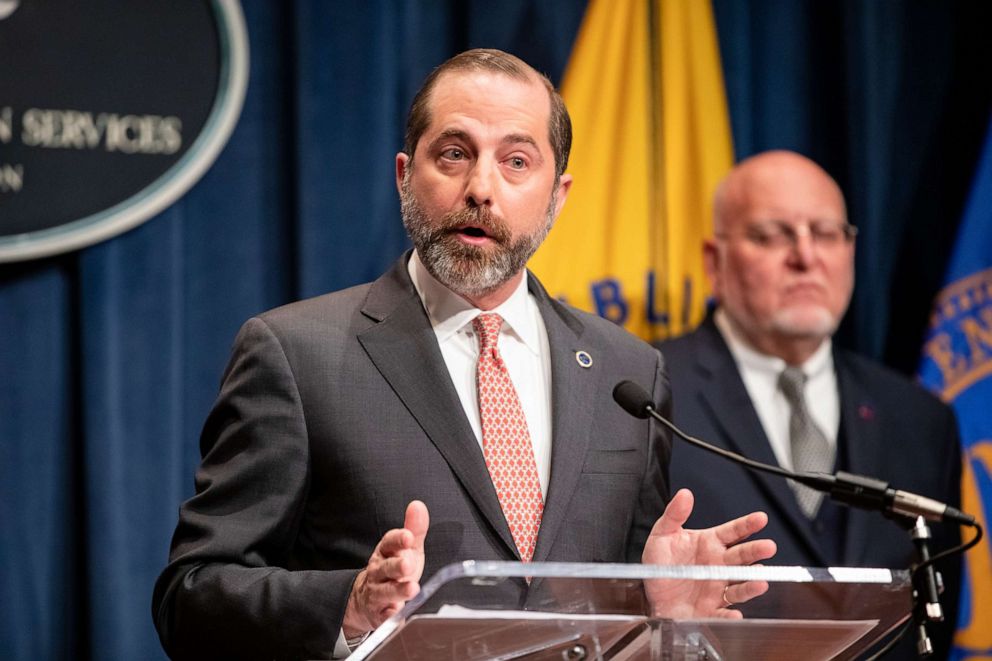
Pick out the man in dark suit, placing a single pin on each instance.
(343, 420)
(781, 264)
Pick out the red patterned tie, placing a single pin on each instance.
(506, 441)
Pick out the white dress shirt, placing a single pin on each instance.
(760, 374)
(523, 344)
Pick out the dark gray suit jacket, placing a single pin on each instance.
(890, 428)
(333, 414)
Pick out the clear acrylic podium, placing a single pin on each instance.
(568, 611)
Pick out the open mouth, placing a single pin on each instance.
(473, 235)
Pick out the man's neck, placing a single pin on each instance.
(495, 298)
(445, 301)
(795, 351)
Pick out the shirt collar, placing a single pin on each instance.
(449, 312)
(750, 358)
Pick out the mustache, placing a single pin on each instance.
(492, 224)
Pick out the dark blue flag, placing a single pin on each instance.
(957, 366)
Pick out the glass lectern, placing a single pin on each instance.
(567, 611)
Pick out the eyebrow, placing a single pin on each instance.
(809, 221)
(510, 139)
(451, 133)
(520, 138)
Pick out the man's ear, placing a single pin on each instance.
(564, 185)
(711, 265)
(402, 163)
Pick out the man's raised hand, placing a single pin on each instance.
(392, 575)
(670, 543)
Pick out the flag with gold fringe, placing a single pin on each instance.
(957, 366)
(644, 87)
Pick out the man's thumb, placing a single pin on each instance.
(417, 521)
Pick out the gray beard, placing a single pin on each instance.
(465, 269)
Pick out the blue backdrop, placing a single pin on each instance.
(110, 357)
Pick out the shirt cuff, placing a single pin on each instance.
(344, 646)
(341, 649)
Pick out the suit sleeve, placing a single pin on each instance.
(228, 591)
(655, 487)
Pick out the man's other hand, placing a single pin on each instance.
(392, 575)
(671, 544)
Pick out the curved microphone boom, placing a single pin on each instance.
(849, 488)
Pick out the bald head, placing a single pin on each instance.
(775, 179)
(782, 261)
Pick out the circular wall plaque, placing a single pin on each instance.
(109, 112)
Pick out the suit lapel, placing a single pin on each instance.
(572, 387)
(404, 349)
(725, 397)
(864, 446)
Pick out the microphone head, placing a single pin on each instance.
(633, 399)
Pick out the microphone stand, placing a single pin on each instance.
(927, 583)
(927, 586)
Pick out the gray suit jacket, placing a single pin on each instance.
(333, 414)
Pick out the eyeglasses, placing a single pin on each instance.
(778, 234)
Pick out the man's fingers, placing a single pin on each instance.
(395, 541)
(675, 515)
(403, 592)
(741, 528)
(381, 599)
(392, 576)
(417, 520)
(728, 614)
(389, 611)
(382, 593)
(740, 593)
(411, 535)
(386, 612)
(400, 567)
(748, 553)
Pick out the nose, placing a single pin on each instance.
(479, 186)
(803, 247)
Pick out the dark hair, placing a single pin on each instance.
(488, 59)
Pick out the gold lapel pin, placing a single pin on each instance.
(583, 358)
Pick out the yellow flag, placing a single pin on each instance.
(645, 91)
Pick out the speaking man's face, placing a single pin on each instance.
(479, 194)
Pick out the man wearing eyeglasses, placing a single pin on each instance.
(761, 377)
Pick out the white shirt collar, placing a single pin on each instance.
(449, 312)
(750, 358)
(760, 374)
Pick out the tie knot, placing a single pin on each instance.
(791, 381)
(487, 326)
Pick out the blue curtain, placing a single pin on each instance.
(110, 357)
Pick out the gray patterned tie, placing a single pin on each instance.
(810, 450)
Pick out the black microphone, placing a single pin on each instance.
(848, 488)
